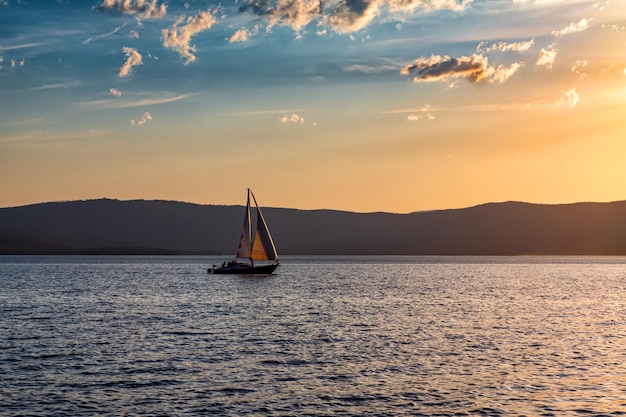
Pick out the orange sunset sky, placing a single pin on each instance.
(360, 105)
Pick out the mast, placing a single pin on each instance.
(245, 248)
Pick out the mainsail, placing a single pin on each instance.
(245, 240)
(259, 247)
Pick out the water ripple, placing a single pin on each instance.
(325, 336)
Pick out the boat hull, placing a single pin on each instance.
(243, 269)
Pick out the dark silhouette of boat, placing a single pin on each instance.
(257, 246)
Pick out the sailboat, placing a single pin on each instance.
(257, 246)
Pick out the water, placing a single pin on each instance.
(370, 336)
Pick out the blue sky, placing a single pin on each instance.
(364, 105)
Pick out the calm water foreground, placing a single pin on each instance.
(324, 336)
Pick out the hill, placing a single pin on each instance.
(164, 227)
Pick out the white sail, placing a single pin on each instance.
(244, 250)
(263, 247)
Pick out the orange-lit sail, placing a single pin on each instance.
(263, 247)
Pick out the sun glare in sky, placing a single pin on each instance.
(360, 105)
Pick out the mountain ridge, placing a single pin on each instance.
(111, 226)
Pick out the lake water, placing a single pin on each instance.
(368, 336)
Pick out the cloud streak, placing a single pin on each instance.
(178, 37)
(505, 46)
(124, 104)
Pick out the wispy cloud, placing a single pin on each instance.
(54, 86)
(124, 104)
(569, 98)
(537, 1)
(39, 135)
(240, 36)
(579, 68)
(266, 112)
(474, 68)
(408, 6)
(369, 69)
(20, 46)
(412, 117)
(583, 24)
(103, 36)
(143, 9)
(547, 56)
(293, 118)
(505, 46)
(141, 120)
(502, 73)
(179, 37)
(133, 58)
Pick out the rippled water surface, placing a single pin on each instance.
(323, 336)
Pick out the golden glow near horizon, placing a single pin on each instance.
(413, 108)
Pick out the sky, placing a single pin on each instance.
(358, 105)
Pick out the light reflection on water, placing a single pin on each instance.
(324, 336)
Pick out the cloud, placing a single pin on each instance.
(115, 92)
(474, 68)
(547, 56)
(343, 16)
(133, 58)
(66, 85)
(142, 120)
(408, 6)
(240, 36)
(614, 27)
(536, 1)
(103, 36)
(294, 118)
(178, 37)
(353, 15)
(569, 99)
(38, 135)
(502, 73)
(439, 67)
(504, 46)
(369, 69)
(124, 104)
(13, 63)
(144, 9)
(416, 117)
(20, 46)
(294, 13)
(583, 24)
(579, 68)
